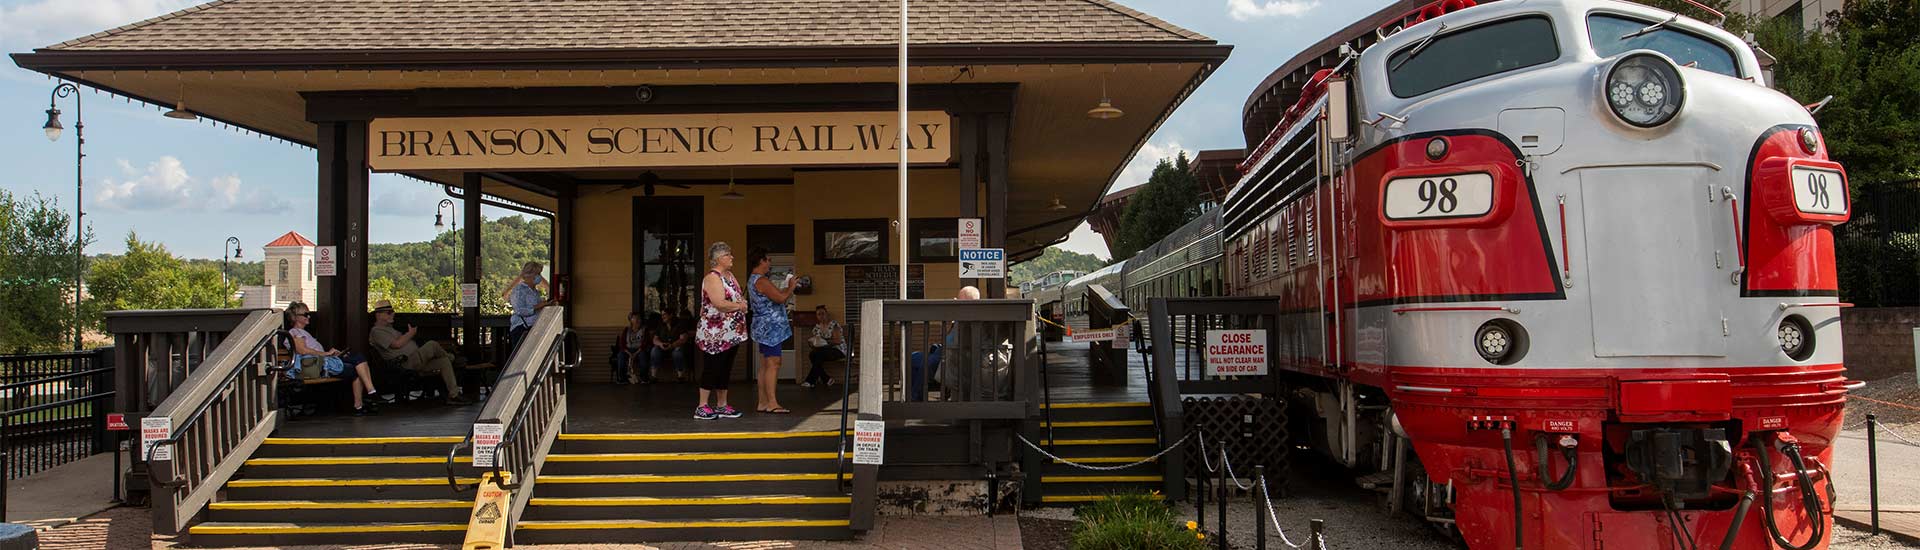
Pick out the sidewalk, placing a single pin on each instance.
(63, 494)
(128, 528)
(1899, 484)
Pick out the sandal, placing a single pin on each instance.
(778, 410)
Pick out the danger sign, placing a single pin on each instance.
(117, 422)
(1236, 352)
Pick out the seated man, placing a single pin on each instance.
(399, 349)
(671, 340)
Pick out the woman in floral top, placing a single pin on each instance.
(722, 327)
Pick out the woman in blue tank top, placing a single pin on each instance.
(771, 330)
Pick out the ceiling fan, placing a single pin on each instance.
(647, 182)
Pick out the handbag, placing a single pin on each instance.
(312, 367)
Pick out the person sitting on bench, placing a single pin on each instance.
(312, 360)
(399, 349)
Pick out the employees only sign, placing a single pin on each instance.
(1236, 352)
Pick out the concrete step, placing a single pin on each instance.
(355, 489)
(697, 442)
(352, 466)
(1098, 429)
(684, 485)
(218, 534)
(689, 508)
(1121, 410)
(642, 530)
(693, 463)
(363, 511)
(1058, 468)
(293, 447)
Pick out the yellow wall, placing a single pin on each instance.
(603, 271)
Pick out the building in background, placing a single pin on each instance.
(1810, 13)
(289, 275)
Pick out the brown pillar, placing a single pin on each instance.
(563, 244)
(470, 272)
(967, 139)
(996, 237)
(342, 196)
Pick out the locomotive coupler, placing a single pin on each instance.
(1681, 463)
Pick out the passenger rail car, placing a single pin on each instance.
(1567, 270)
(1185, 263)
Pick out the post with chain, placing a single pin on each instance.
(1259, 508)
(1200, 484)
(1316, 537)
(1873, 473)
(1222, 497)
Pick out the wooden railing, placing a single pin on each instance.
(1177, 331)
(985, 374)
(213, 373)
(530, 402)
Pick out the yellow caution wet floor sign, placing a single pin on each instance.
(487, 527)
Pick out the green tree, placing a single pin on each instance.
(1170, 199)
(37, 256)
(431, 269)
(149, 276)
(1054, 259)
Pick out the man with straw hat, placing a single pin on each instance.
(400, 349)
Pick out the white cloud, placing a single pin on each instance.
(1085, 241)
(1150, 155)
(164, 184)
(1247, 10)
(44, 22)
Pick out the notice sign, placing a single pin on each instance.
(869, 441)
(117, 422)
(1236, 352)
(970, 233)
(153, 429)
(469, 295)
(486, 437)
(1094, 335)
(983, 263)
(325, 262)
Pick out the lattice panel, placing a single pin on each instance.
(1253, 429)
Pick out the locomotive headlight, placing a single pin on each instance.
(1500, 341)
(1644, 89)
(1796, 337)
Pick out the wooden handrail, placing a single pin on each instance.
(220, 414)
(530, 401)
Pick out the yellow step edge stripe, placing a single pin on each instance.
(372, 482)
(651, 478)
(338, 504)
(1108, 405)
(1124, 441)
(1098, 479)
(693, 436)
(642, 524)
(688, 501)
(658, 457)
(1104, 459)
(1097, 424)
(361, 440)
(287, 528)
(354, 460)
(1061, 499)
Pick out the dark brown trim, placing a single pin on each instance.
(46, 60)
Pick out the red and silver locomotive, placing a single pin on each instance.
(1563, 269)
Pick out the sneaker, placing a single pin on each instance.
(727, 412)
(806, 384)
(365, 411)
(705, 413)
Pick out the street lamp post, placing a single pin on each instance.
(233, 245)
(79, 213)
(448, 206)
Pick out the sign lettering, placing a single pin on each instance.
(983, 263)
(117, 422)
(970, 233)
(869, 441)
(1236, 352)
(153, 429)
(326, 261)
(486, 437)
(712, 139)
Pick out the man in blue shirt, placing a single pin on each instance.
(526, 302)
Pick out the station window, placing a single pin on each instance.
(1473, 53)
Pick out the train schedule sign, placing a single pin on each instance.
(1236, 352)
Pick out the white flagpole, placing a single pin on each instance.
(903, 150)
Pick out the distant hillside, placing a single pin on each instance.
(1054, 259)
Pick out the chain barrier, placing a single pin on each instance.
(1896, 435)
(1223, 462)
(1267, 499)
(1057, 459)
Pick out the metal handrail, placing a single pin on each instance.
(219, 395)
(549, 365)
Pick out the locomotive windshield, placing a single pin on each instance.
(1473, 53)
(1605, 32)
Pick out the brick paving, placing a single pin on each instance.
(128, 528)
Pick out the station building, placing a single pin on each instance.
(649, 129)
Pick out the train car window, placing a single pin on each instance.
(1684, 47)
(1480, 51)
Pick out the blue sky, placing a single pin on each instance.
(191, 185)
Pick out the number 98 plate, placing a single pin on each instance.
(1439, 197)
(1819, 191)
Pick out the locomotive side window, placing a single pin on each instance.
(1684, 47)
(1473, 53)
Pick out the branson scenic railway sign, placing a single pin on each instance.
(603, 141)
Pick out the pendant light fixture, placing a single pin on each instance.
(180, 107)
(1057, 205)
(731, 194)
(1105, 110)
